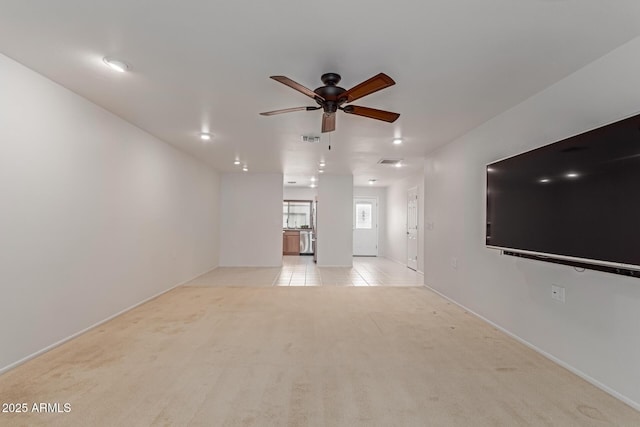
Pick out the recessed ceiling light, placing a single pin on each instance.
(322, 164)
(544, 180)
(116, 64)
(205, 136)
(245, 169)
(313, 178)
(312, 186)
(572, 175)
(371, 181)
(237, 162)
(320, 171)
(397, 141)
(398, 165)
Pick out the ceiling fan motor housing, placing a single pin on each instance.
(330, 92)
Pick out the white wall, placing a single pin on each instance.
(335, 220)
(251, 219)
(395, 241)
(96, 215)
(596, 332)
(300, 193)
(381, 194)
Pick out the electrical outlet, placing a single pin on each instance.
(557, 293)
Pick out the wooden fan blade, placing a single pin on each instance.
(297, 86)
(328, 122)
(368, 87)
(288, 110)
(372, 113)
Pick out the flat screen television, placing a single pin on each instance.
(576, 201)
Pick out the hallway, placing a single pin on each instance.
(302, 271)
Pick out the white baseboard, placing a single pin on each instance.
(402, 263)
(635, 405)
(248, 266)
(394, 260)
(70, 337)
(335, 266)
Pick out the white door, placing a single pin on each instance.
(365, 227)
(412, 228)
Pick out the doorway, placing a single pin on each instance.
(365, 226)
(412, 228)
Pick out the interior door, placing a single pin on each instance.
(412, 228)
(365, 226)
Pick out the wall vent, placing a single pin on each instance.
(310, 138)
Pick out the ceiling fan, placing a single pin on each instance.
(331, 98)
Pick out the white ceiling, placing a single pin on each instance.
(205, 65)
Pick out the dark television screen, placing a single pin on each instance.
(579, 197)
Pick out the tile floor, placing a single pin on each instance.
(302, 271)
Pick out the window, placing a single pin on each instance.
(296, 214)
(363, 216)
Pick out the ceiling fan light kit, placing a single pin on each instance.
(331, 97)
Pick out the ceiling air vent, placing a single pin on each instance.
(291, 182)
(310, 138)
(391, 162)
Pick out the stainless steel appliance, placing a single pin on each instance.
(306, 246)
(314, 237)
